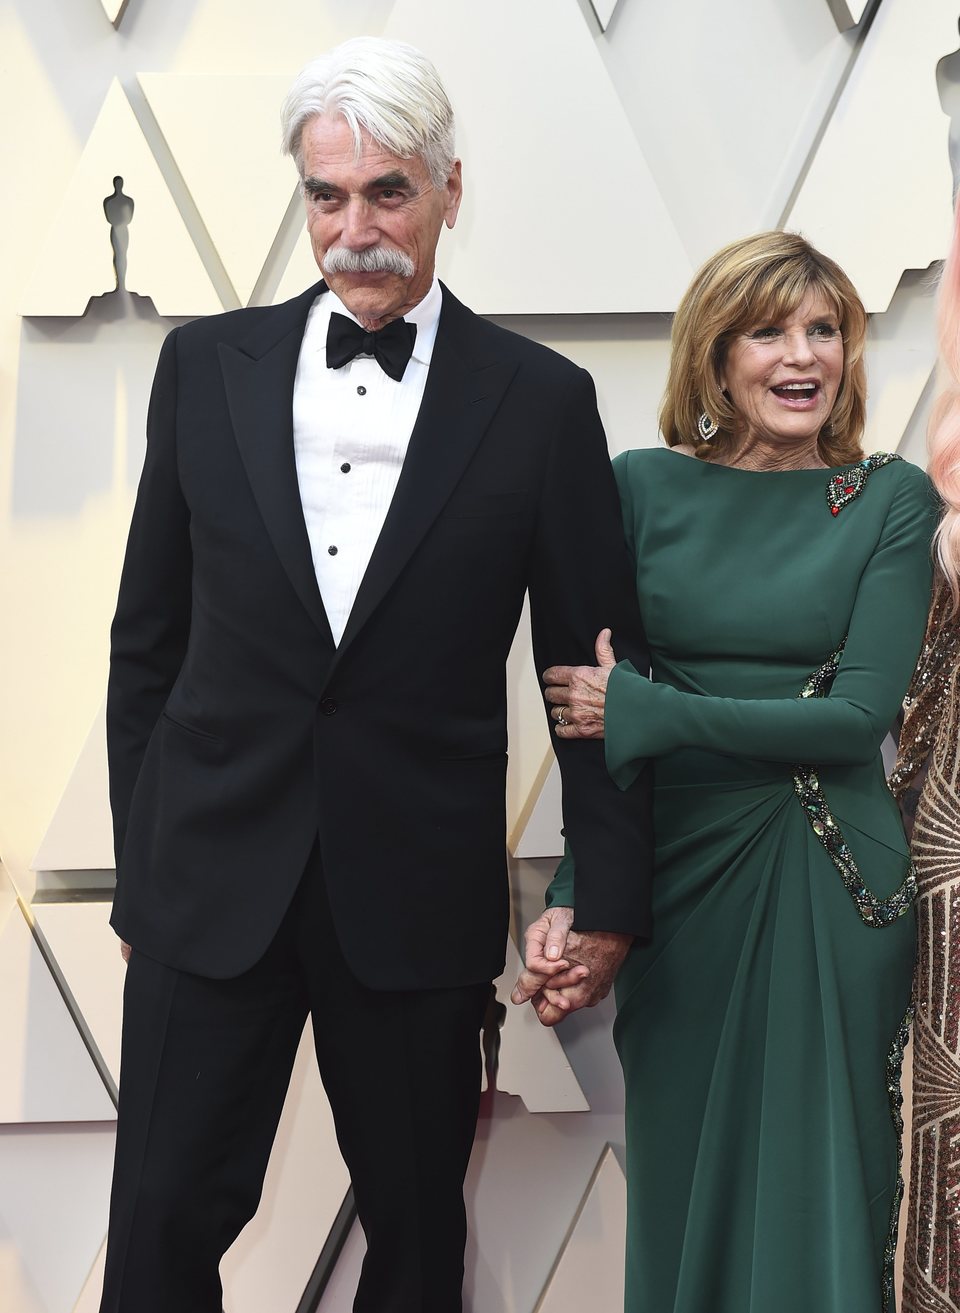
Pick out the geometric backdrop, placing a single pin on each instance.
(608, 148)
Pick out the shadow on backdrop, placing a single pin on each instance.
(83, 389)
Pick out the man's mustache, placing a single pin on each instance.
(374, 260)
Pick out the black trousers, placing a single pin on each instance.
(205, 1067)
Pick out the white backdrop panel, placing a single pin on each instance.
(541, 167)
(604, 10)
(80, 834)
(589, 1271)
(46, 1073)
(877, 197)
(76, 260)
(238, 179)
(901, 349)
(114, 10)
(272, 1260)
(54, 1192)
(79, 938)
(847, 12)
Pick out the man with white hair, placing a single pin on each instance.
(343, 502)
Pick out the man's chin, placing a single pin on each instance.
(368, 296)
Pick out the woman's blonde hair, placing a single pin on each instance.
(943, 436)
(755, 281)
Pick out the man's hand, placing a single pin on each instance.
(545, 940)
(602, 953)
(567, 969)
(578, 693)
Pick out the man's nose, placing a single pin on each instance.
(359, 230)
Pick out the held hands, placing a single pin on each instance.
(578, 693)
(567, 969)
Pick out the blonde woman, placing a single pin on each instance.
(927, 780)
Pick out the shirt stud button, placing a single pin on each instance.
(345, 467)
(332, 551)
(361, 391)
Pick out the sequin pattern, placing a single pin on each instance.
(874, 911)
(929, 756)
(894, 1073)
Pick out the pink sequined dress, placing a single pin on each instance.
(928, 774)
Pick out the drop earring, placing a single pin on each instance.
(707, 427)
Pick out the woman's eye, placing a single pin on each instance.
(824, 331)
(765, 334)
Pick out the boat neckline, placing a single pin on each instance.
(822, 470)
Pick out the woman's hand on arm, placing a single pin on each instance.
(578, 693)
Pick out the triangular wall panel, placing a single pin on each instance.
(508, 253)
(901, 349)
(115, 10)
(539, 831)
(239, 181)
(847, 12)
(78, 937)
(604, 11)
(54, 1195)
(878, 194)
(89, 1301)
(46, 1073)
(75, 262)
(589, 1271)
(272, 1260)
(80, 834)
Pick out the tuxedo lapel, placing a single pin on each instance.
(259, 376)
(464, 388)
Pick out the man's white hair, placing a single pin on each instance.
(385, 88)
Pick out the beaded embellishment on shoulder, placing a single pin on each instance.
(874, 911)
(845, 487)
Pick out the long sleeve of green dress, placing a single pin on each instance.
(645, 719)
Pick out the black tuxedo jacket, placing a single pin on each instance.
(238, 732)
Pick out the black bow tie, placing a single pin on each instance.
(391, 346)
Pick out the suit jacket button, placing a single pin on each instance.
(328, 706)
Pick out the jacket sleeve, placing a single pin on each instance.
(148, 637)
(582, 580)
(845, 728)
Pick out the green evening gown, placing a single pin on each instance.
(760, 1031)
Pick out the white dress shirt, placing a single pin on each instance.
(351, 429)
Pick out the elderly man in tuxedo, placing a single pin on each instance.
(343, 503)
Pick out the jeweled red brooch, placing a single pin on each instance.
(845, 487)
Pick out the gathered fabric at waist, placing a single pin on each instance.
(694, 769)
(726, 803)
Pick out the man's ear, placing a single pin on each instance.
(454, 190)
